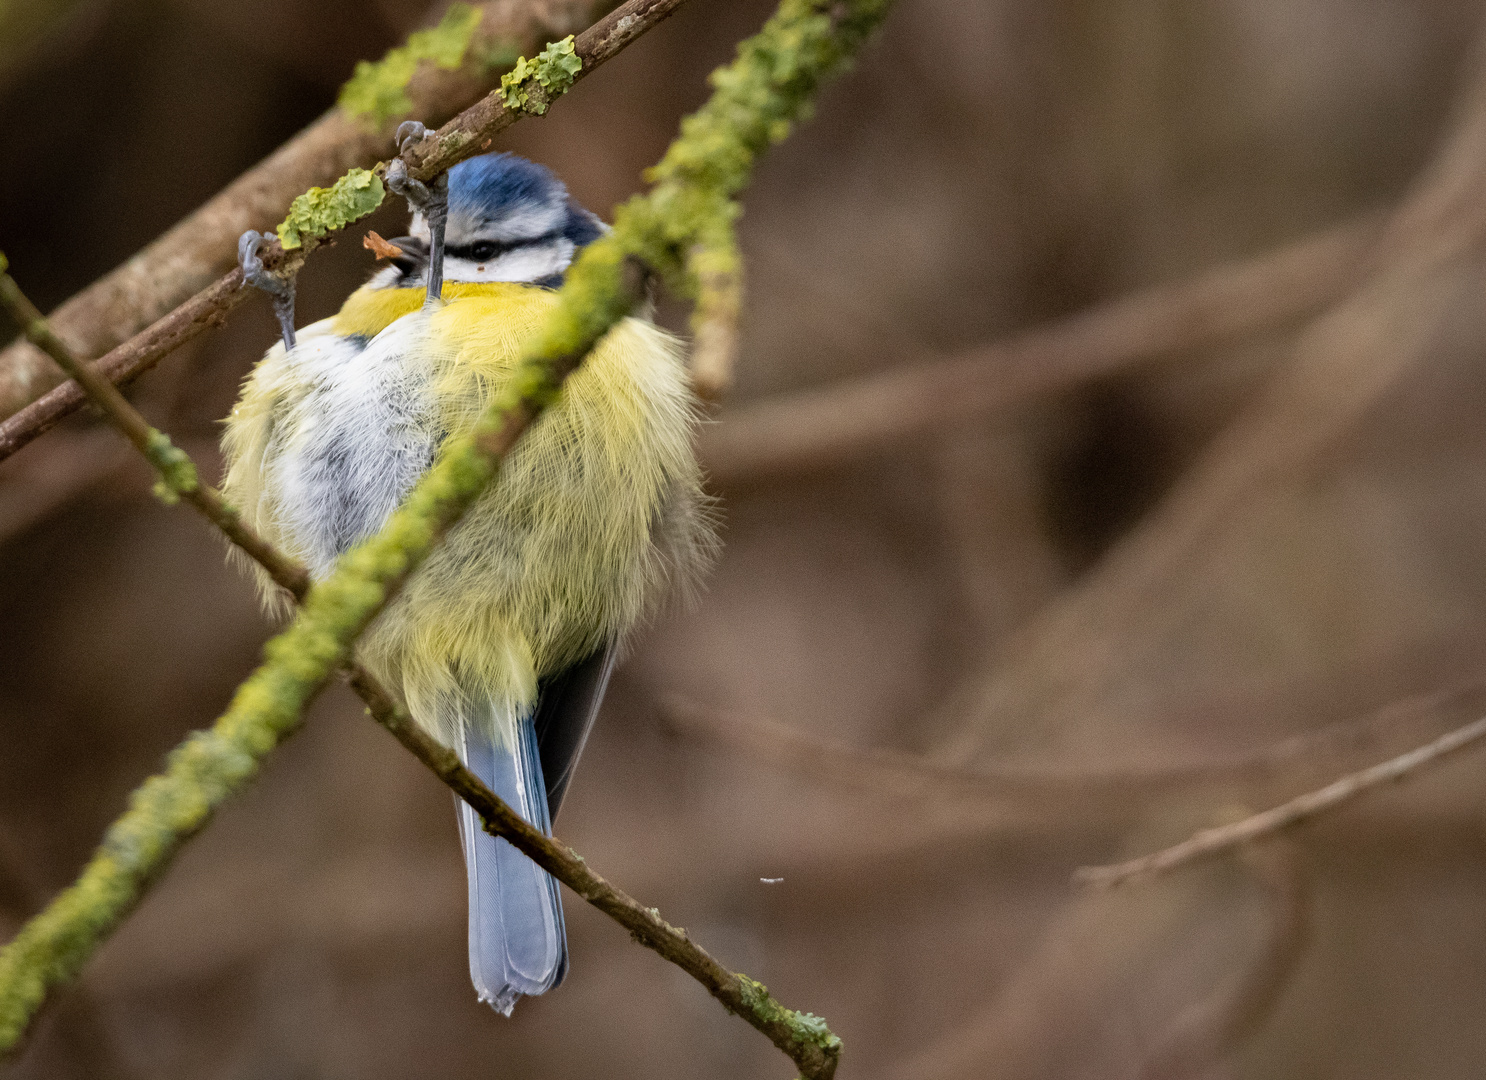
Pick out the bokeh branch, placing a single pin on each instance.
(1081, 650)
(1009, 798)
(756, 100)
(819, 428)
(1302, 808)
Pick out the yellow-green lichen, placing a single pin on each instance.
(531, 85)
(323, 210)
(756, 99)
(177, 470)
(377, 91)
(807, 1028)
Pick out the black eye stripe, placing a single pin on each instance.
(467, 251)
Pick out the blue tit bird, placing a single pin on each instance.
(502, 644)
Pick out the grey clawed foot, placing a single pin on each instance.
(430, 199)
(408, 133)
(279, 289)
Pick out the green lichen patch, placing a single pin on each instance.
(807, 1028)
(177, 470)
(377, 91)
(322, 210)
(531, 85)
(691, 209)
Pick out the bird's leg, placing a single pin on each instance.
(430, 199)
(436, 213)
(280, 289)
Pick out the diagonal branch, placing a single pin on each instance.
(1303, 808)
(755, 102)
(738, 993)
(468, 134)
(805, 1038)
(178, 477)
(186, 259)
(815, 428)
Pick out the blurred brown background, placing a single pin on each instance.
(1137, 594)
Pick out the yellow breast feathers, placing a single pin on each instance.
(593, 512)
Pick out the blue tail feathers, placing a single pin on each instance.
(518, 943)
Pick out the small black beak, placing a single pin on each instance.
(414, 254)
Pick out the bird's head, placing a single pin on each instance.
(509, 220)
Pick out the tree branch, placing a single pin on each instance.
(794, 1033)
(1039, 798)
(1216, 840)
(805, 1038)
(178, 477)
(467, 134)
(755, 102)
(824, 427)
(186, 259)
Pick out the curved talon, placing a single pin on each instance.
(408, 133)
(280, 289)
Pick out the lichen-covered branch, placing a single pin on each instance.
(317, 213)
(212, 765)
(802, 1036)
(378, 90)
(717, 266)
(188, 260)
(178, 476)
(757, 98)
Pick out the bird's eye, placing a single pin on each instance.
(484, 250)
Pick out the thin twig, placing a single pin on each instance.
(1213, 841)
(1051, 795)
(467, 134)
(755, 101)
(737, 993)
(185, 260)
(803, 1037)
(815, 428)
(177, 471)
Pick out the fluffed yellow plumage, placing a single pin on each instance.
(594, 512)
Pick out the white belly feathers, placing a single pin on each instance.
(362, 435)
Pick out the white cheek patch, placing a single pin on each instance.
(389, 276)
(522, 265)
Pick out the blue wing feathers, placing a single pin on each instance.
(518, 942)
